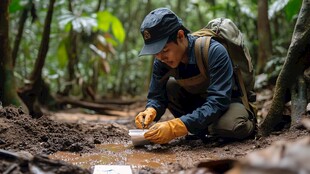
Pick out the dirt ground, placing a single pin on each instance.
(24, 140)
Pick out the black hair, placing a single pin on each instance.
(173, 36)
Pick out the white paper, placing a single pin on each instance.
(112, 169)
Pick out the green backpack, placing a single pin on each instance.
(226, 32)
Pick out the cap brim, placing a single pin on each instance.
(153, 48)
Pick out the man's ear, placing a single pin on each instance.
(181, 34)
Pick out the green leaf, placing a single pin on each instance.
(107, 21)
(111, 41)
(118, 30)
(65, 20)
(68, 27)
(78, 23)
(62, 53)
(277, 6)
(104, 20)
(15, 6)
(292, 9)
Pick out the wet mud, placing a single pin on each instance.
(77, 147)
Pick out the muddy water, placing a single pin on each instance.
(117, 154)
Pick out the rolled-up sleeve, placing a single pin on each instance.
(219, 92)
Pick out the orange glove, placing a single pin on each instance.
(164, 132)
(145, 118)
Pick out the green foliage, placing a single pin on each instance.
(104, 20)
(15, 6)
(277, 6)
(78, 23)
(119, 22)
(107, 21)
(273, 68)
(62, 53)
(248, 8)
(292, 9)
(274, 65)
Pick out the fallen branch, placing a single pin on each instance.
(98, 107)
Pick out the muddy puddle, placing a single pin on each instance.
(118, 154)
(84, 143)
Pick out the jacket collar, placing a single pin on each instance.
(191, 50)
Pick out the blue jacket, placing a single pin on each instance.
(219, 91)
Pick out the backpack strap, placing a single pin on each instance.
(201, 51)
(244, 95)
(172, 72)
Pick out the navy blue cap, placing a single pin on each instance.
(156, 28)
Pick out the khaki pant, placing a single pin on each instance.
(235, 123)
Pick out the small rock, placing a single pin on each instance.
(2, 142)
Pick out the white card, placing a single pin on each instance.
(112, 169)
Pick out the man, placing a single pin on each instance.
(200, 106)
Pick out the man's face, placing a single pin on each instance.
(173, 53)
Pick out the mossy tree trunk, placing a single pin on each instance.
(8, 93)
(297, 60)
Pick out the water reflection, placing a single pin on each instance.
(117, 154)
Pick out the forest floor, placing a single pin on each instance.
(25, 140)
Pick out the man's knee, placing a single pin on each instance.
(242, 129)
(235, 123)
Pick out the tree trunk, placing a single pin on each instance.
(8, 93)
(32, 91)
(297, 60)
(21, 24)
(201, 18)
(179, 7)
(39, 64)
(264, 35)
(122, 74)
(98, 6)
(307, 81)
(299, 101)
(73, 58)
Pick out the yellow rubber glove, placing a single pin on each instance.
(145, 118)
(164, 132)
